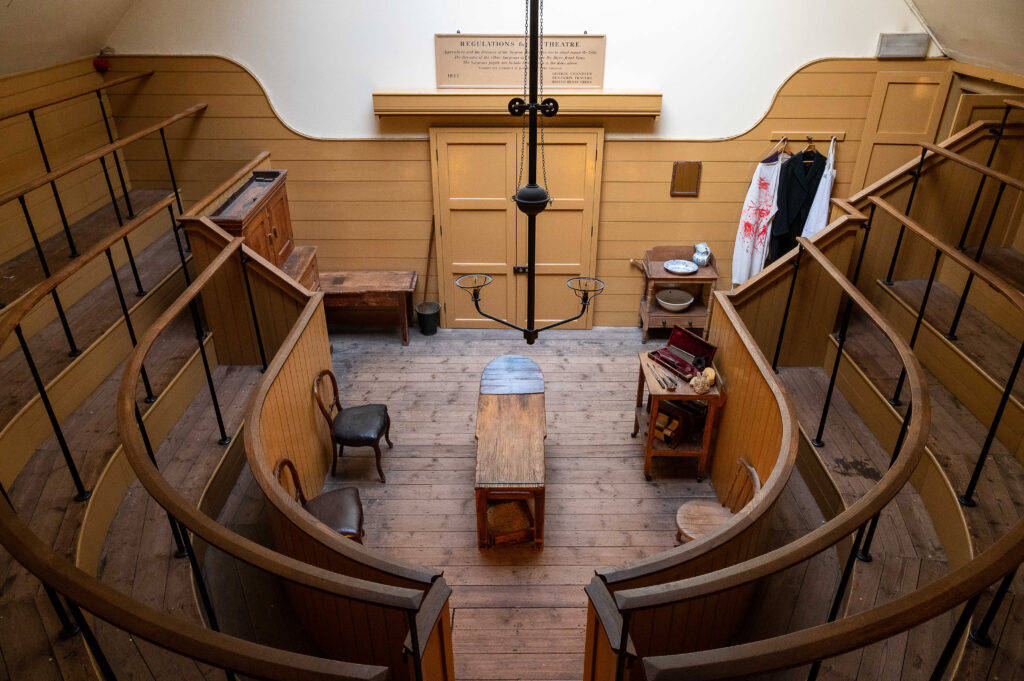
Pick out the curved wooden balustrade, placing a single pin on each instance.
(168, 631)
(380, 622)
(702, 611)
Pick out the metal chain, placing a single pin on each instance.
(540, 123)
(526, 67)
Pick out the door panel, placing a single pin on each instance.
(479, 229)
(905, 110)
(475, 175)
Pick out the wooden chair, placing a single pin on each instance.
(360, 426)
(701, 517)
(340, 509)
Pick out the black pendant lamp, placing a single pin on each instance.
(531, 198)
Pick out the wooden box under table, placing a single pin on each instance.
(695, 318)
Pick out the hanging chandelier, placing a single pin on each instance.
(531, 198)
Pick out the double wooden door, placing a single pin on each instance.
(479, 229)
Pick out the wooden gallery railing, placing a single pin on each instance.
(380, 613)
(649, 616)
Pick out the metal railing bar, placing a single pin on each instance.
(117, 160)
(72, 250)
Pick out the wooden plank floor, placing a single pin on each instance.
(518, 613)
(24, 271)
(42, 495)
(138, 558)
(955, 438)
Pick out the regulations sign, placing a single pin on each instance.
(496, 61)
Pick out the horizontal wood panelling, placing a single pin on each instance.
(69, 130)
(367, 203)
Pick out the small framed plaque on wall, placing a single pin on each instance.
(685, 178)
(496, 61)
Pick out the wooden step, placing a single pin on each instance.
(975, 366)
(24, 271)
(301, 266)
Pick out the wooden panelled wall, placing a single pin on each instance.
(68, 130)
(367, 203)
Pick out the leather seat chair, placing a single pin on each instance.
(340, 509)
(361, 426)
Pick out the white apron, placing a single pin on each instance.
(759, 207)
(817, 216)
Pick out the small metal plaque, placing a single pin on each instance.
(337, 281)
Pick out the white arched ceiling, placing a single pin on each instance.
(988, 33)
(718, 64)
(38, 33)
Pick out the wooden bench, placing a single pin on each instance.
(701, 517)
(369, 290)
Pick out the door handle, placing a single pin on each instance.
(521, 269)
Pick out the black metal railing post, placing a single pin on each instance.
(785, 313)
(979, 634)
(865, 549)
(951, 334)
(620, 661)
(117, 161)
(106, 671)
(895, 399)
(67, 627)
(981, 183)
(967, 498)
(916, 174)
(170, 171)
(82, 493)
(35, 237)
(844, 327)
(837, 600)
(150, 397)
(200, 335)
(954, 638)
(252, 309)
(866, 226)
(414, 640)
(176, 229)
(72, 250)
(120, 222)
(176, 529)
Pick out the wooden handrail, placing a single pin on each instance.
(16, 312)
(63, 98)
(973, 165)
(95, 155)
(211, 531)
(1012, 295)
(1014, 103)
(168, 631)
(851, 632)
(199, 206)
(841, 525)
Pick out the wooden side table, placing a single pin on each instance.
(370, 290)
(693, 444)
(701, 284)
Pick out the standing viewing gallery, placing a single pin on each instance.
(550, 340)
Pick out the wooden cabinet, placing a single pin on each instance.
(258, 212)
(694, 318)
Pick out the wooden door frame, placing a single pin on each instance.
(442, 268)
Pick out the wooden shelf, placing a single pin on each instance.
(690, 445)
(693, 317)
(495, 103)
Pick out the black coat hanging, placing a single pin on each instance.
(798, 182)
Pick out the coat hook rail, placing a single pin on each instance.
(812, 135)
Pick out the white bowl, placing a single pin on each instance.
(674, 300)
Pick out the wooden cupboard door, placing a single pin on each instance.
(479, 229)
(566, 230)
(905, 110)
(474, 178)
(256, 236)
(280, 230)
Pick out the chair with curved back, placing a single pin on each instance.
(360, 426)
(340, 509)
